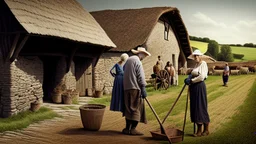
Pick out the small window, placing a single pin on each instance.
(166, 30)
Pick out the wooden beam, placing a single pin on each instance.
(43, 54)
(18, 49)
(88, 55)
(13, 46)
(71, 58)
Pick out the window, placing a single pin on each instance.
(166, 30)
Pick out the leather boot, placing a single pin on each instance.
(133, 129)
(199, 130)
(127, 129)
(206, 129)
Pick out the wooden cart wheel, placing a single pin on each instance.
(162, 80)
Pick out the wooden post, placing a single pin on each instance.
(18, 49)
(71, 58)
(13, 46)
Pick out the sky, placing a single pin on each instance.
(226, 21)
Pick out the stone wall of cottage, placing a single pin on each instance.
(102, 76)
(157, 45)
(62, 75)
(21, 84)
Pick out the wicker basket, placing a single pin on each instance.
(92, 115)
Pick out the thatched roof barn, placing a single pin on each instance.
(44, 45)
(130, 28)
(160, 29)
(64, 19)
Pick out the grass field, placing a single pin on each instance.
(230, 109)
(249, 53)
(24, 119)
(202, 46)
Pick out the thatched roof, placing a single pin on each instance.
(59, 18)
(130, 28)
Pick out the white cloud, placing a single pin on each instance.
(241, 32)
(203, 19)
(247, 24)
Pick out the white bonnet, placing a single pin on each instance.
(124, 57)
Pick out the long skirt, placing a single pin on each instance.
(134, 106)
(198, 103)
(117, 99)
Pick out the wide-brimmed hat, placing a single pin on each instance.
(196, 52)
(141, 50)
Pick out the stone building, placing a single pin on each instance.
(159, 29)
(43, 43)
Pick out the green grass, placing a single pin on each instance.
(202, 46)
(105, 100)
(249, 53)
(24, 119)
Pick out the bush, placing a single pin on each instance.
(238, 56)
(213, 49)
(225, 54)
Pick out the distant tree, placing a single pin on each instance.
(248, 45)
(238, 45)
(206, 39)
(225, 54)
(213, 49)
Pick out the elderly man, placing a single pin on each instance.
(134, 91)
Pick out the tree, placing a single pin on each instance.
(225, 54)
(206, 39)
(213, 49)
(248, 45)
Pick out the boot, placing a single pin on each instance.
(199, 131)
(127, 129)
(206, 129)
(133, 129)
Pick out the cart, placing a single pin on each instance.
(162, 80)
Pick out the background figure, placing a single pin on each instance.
(168, 69)
(156, 69)
(117, 99)
(160, 62)
(172, 74)
(134, 91)
(198, 96)
(225, 75)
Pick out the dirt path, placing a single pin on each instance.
(69, 128)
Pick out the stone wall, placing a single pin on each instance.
(102, 76)
(21, 84)
(62, 75)
(70, 79)
(158, 46)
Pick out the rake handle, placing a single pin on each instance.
(174, 104)
(161, 126)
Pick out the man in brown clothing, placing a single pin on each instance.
(134, 91)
